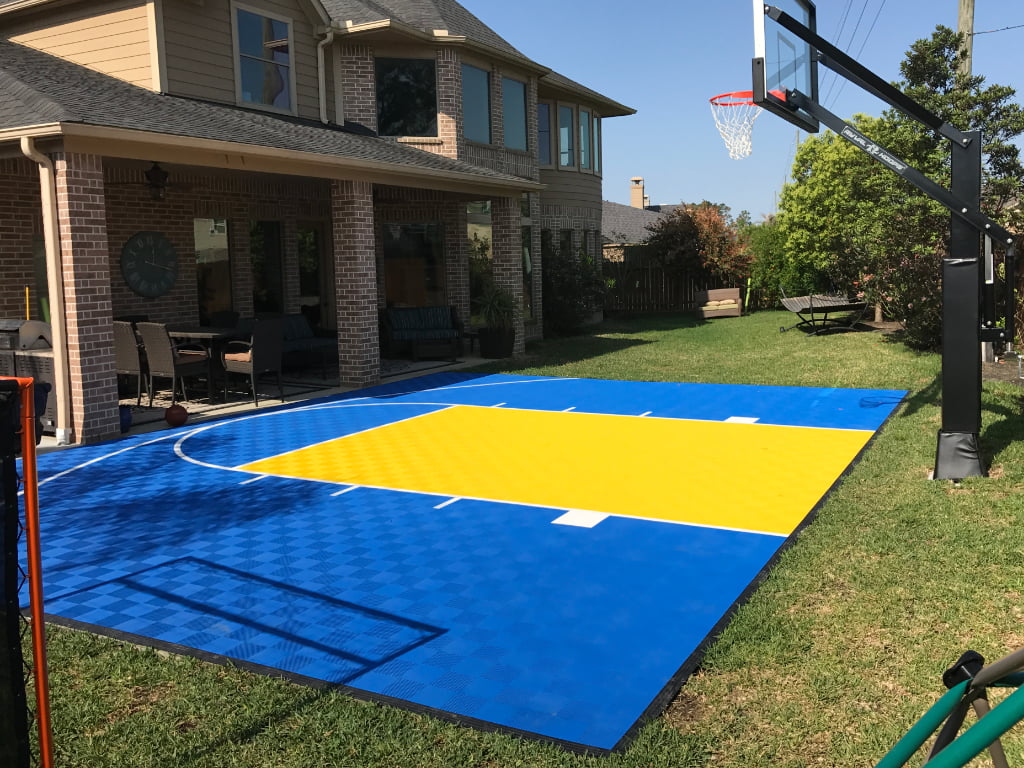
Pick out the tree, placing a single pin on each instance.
(850, 224)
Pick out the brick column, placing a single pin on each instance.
(81, 212)
(355, 270)
(497, 111)
(449, 103)
(457, 258)
(290, 264)
(507, 257)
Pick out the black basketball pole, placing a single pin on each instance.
(958, 454)
(14, 739)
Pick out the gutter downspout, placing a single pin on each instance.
(322, 73)
(55, 281)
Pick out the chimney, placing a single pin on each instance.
(636, 192)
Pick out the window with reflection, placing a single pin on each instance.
(476, 104)
(566, 148)
(585, 139)
(544, 133)
(406, 97)
(597, 144)
(264, 60)
(513, 110)
(413, 264)
(213, 267)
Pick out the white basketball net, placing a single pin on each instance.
(735, 121)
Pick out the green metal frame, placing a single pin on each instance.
(952, 751)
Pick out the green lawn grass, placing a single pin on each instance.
(837, 652)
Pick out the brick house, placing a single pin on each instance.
(317, 154)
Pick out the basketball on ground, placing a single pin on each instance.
(176, 415)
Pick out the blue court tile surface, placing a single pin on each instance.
(478, 610)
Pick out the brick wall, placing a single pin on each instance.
(356, 281)
(449, 103)
(358, 83)
(20, 227)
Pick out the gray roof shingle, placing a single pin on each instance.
(425, 15)
(41, 89)
(625, 224)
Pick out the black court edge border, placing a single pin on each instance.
(657, 706)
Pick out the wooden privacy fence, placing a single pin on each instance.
(651, 289)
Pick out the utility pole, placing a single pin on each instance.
(965, 26)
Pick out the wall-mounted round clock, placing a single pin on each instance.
(149, 264)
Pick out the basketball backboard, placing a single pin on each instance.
(783, 62)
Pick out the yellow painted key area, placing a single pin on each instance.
(747, 476)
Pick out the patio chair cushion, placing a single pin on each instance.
(239, 357)
(190, 355)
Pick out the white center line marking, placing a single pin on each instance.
(253, 479)
(580, 518)
(742, 420)
(345, 490)
(444, 504)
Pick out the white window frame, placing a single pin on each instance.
(552, 135)
(236, 52)
(580, 111)
(573, 133)
(596, 132)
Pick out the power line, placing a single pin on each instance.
(838, 37)
(867, 37)
(1001, 29)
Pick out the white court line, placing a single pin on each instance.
(498, 405)
(580, 518)
(742, 420)
(444, 504)
(570, 408)
(345, 490)
(646, 413)
(253, 479)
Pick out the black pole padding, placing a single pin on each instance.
(15, 750)
(965, 668)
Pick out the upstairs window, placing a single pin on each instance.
(597, 144)
(406, 97)
(476, 104)
(265, 74)
(513, 110)
(566, 149)
(544, 133)
(585, 152)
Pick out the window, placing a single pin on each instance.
(584, 139)
(565, 243)
(406, 97)
(476, 104)
(213, 267)
(544, 133)
(597, 144)
(566, 151)
(265, 76)
(267, 254)
(479, 231)
(513, 110)
(413, 264)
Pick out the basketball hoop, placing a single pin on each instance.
(734, 115)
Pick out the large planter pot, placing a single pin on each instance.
(496, 343)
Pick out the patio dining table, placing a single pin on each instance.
(210, 337)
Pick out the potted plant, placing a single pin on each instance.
(497, 308)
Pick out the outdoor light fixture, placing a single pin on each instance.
(156, 180)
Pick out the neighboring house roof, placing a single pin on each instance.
(40, 89)
(625, 225)
(664, 209)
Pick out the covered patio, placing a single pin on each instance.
(257, 214)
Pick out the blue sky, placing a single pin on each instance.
(667, 58)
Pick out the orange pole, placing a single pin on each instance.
(35, 570)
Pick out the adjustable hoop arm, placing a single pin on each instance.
(977, 219)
